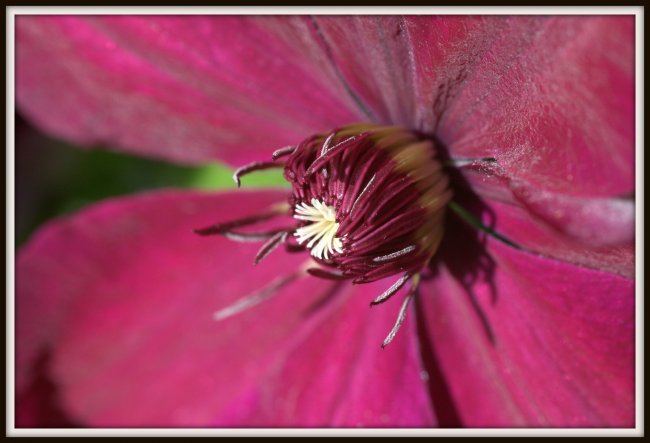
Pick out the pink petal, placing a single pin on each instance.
(593, 231)
(189, 89)
(527, 341)
(537, 237)
(610, 219)
(339, 367)
(445, 50)
(122, 296)
(551, 98)
(372, 55)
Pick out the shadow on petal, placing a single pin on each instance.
(463, 248)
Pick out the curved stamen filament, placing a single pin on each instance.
(388, 293)
(400, 319)
(255, 298)
(415, 281)
(252, 237)
(255, 166)
(328, 275)
(395, 254)
(271, 245)
(278, 153)
(222, 228)
(332, 152)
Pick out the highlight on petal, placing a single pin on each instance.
(618, 258)
(597, 232)
(186, 88)
(551, 99)
(119, 299)
(597, 221)
(524, 341)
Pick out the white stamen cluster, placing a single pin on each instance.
(321, 233)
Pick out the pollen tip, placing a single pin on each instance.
(235, 177)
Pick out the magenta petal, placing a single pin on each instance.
(338, 375)
(535, 342)
(596, 221)
(593, 231)
(445, 50)
(530, 234)
(552, 99)
(189, 89)
(372, 55)
(122, 295)
(121, 299)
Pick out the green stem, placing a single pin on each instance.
(476, 223)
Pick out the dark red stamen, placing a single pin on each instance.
(388, 293)
(283, 152)
(256, 166)
(220, 228)
(399, 225)
(245, 237)
(327, 144)
(327, 156)
(400, 316)
(271, 245)
(294, 247)
(329, 275)
(396, 254)
(256, 297)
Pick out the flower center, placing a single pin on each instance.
(321, 232)
(368, 201)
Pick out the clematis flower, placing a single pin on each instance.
(524, 311)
